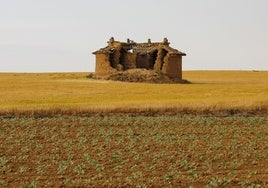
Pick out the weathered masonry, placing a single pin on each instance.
(158, 56)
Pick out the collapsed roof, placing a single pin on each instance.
(139, 48)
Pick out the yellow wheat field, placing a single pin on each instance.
(212, 90)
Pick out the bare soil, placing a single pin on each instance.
(124, 151)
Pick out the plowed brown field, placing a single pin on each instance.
(114, 151)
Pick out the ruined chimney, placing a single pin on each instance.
(165, 41)
(128, 40)
(149, 41)
(111, 41)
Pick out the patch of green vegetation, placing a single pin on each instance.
(131, 151)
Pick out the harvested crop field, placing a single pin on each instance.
(102, 151)
(213, 92)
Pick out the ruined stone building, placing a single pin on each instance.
(158, 56)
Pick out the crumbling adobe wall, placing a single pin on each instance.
(172, 66)
(143, 61)
(103, 66)
(128, 60)
(115, 54)
(160, 59)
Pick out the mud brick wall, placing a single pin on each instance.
(172, 66)
(143, 61)
(160, 59)
(128, 60)
(103, 66)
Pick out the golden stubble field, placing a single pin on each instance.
(74, 93)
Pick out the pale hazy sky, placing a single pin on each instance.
(60, 35)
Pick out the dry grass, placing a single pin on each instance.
(73, 93)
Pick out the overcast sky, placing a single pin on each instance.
(60, 35)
